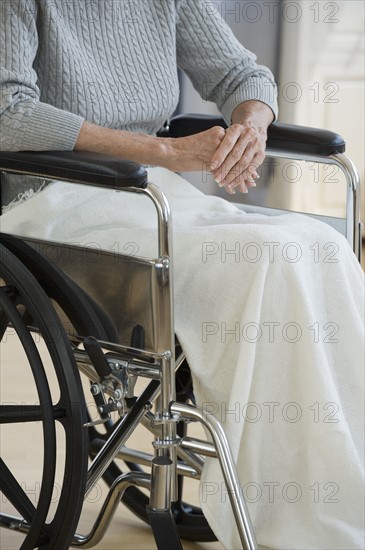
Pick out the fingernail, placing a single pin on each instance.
(218, 179)
(213, 166)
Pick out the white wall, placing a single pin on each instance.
(321, 84)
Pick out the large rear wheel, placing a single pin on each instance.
(87, 319)
(43, 372)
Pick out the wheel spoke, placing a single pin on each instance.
(15, 494)
(11, 414)
(4, 321)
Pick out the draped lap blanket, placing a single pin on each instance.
(269, 311)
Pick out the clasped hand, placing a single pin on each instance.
(233, 155)
(241, 151)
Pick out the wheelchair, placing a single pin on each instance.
(109, 321)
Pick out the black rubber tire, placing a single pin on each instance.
(88, 319)
(20, 293)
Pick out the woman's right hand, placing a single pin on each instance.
(192, 153)
(196, 152)
(186, 154)
(178, 154)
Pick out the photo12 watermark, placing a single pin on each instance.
(269, 332)
(268, 251)
(272, 11)
(33, 491)
(271, 412)
(273, 492)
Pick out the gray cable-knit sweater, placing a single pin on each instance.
(113, 63)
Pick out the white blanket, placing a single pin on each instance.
(269, 311)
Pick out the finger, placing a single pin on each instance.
(239, 158)
(237, 138)
(250, 173)
(253, 155)
(233, 133)
(259, 157)
(243, 165)
(230, 191)
(243, 150)
(241, 188)
(242, 178)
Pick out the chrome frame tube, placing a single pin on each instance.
(160, 497)
(14, 523)
(195, 462)
(124, 349)
(139, 369)
(353, 201)
(145, 459)
(147, 422)
(198, 446)
(353, 192)
(165, 333)
(228, 468)
(110, 450)
(111, 503)
(165, 336)
(88, 370)
(164, 218)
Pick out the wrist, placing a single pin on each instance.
(253, 113)
(172, 153)
(166, 152)
(138, 147)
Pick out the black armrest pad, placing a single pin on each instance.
(189, 124)
(302, 139)
(77, 167)
(284, 137)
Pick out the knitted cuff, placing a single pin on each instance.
(51, 129)
(251, 89)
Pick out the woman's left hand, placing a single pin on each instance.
(236, 161)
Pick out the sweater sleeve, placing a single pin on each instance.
(25, 122)
(220, 68)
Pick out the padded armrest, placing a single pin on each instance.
(76, 167)
(284, 137)
(302, 139)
